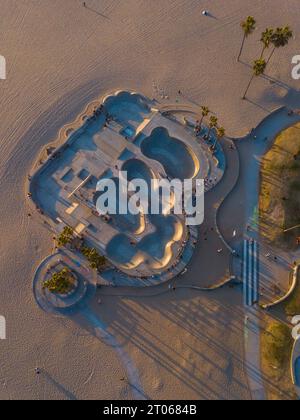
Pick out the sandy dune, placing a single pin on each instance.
(59, 57)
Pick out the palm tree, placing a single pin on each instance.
(258, 69)
(280, 38)
(205, 112)
(213, 123)
(248, 27)
(266, 39)
(220, 134)
(66, 236)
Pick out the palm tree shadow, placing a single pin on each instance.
(145, 396)
(245, 64)
(96, 12)
(271, 79)
(291, 99)
(258, 105)
(277, 82)
(57, 385)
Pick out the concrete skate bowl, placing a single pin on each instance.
(127, 107)
(155, 250)
(137, 169)
(178, 160)
(130, 223)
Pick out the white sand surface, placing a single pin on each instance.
(59, 57)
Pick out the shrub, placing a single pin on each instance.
(277, 343)
(96, 260)
(65, 237)
(61, 282)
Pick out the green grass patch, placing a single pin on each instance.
(277, 345)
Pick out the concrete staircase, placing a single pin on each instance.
(250, 272)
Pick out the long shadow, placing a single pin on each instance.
(146, 344)
(210, 15)
(146, 397)
(149, 343)
(57, 385)
(96, 12)
(270, 78)
(167, 357)
(277, 82)
(258, 105)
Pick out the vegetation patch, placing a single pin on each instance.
(62, 282)
(66, 237)
(96, 260)
(277, 346)
(279, 205)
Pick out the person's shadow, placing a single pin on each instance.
(95, 11)
(209, 14)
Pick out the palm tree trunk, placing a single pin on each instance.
(242, 47)
(201, 121)
(271, 55)
(262, 53)
(248, 87)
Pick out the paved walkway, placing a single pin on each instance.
(252, 354)
(239, 210)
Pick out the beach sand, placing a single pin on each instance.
(60, 56)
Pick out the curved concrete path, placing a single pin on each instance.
(80, 298)
(240, 207)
